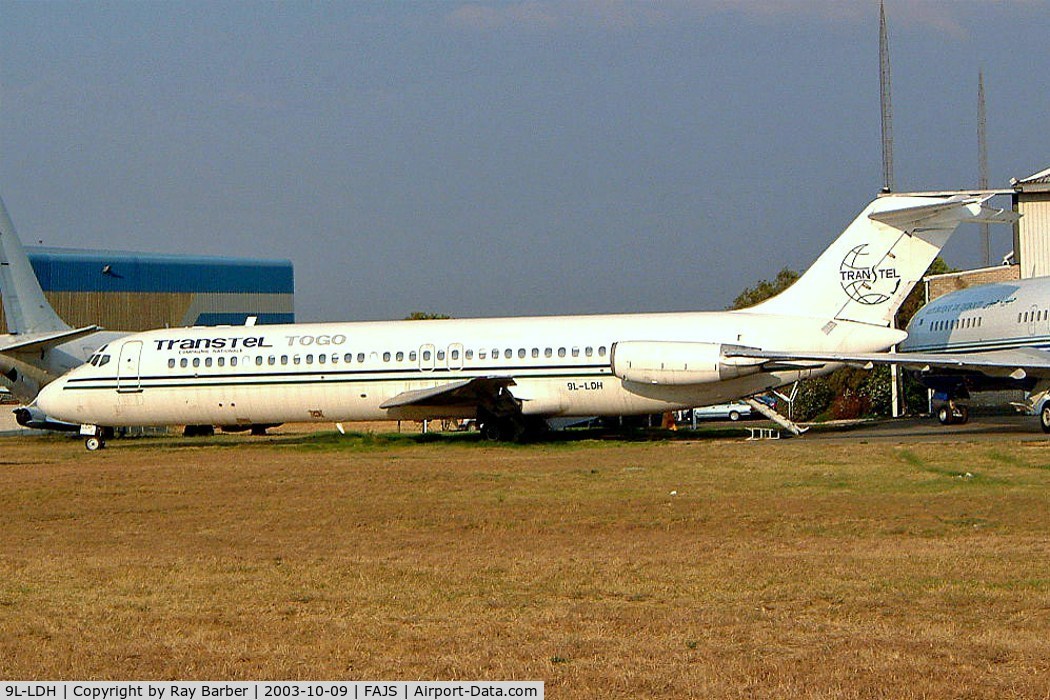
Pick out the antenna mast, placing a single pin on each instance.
(887, 107)
(982, 158)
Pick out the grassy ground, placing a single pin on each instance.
(716, 568)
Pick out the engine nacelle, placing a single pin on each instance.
(676, 364)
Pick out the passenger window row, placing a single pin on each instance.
(348, 358)
(953, 324)
(1030, 316)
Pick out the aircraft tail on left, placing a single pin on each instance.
(25, 306)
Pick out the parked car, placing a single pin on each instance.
(735, 410)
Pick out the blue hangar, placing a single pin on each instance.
(129, 291)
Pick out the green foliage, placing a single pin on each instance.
(765, 289)
(813, 399)
(425, 316)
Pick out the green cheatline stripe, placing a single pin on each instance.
(285, 380)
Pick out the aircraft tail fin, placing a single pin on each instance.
(25, 306)
(865, 275)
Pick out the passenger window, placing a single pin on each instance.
(508, 353)
(411, 355)
(454, 354)
(184, 362)
(271, 360)
(469, 354)
(548, 352)
(426, 356)
(588, 351)
(495, 354)
(400, 356)
(348, 358)
(309, 359)
(386, 357)
(196, 362)
(575, 352)
(296, 360)
(535, 352)
(360, 357)
(207, 362)
(561, 352)
(221, 362)
(482, 354)
(321, 359)
(441, 354)
(233, 361)
(521, 353)
(601, 351)
(171, 363)
(258, 360)
(284, 359)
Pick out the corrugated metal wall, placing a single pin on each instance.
(1033, 234)
(133, 292)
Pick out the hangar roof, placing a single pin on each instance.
(70, 270)
(1035, 182)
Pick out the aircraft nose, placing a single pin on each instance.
(51, 401)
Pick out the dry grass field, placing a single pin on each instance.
(709, 569)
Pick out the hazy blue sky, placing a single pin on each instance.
(503, 158)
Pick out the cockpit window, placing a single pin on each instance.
(93, 361)
(104, 360)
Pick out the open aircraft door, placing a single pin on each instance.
(128, 378)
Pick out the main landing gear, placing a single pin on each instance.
(1044, 417)
(511, 428)
(953, 413)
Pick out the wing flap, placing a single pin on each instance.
(458, 393)
(1021, 362)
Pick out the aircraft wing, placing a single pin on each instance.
(464, 392)
(37, 342)
(1016, 364)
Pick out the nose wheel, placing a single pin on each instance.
(94, 444)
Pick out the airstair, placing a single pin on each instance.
(781, 420)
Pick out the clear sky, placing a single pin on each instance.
(504, 158)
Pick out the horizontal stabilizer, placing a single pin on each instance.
(458, 393)
(36, 342)
(913, 217)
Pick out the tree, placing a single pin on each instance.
(425, 316)
(765, 289)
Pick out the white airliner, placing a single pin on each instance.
(40, 346)
(511, 373)
(985, 338)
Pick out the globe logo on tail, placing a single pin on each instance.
(867, 284)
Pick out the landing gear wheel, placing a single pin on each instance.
(944, 415)
(734, 415)
(1044, 417)
(94, 443)
(490, 431)
(964, 415)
